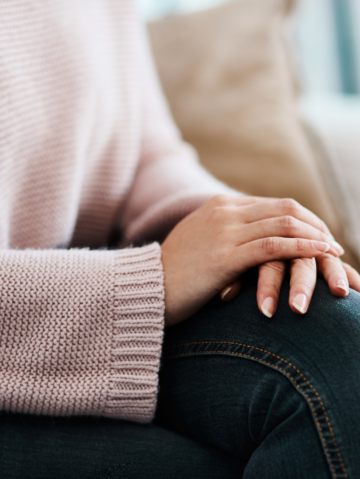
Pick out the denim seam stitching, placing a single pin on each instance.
(303, 377)
(293, 380)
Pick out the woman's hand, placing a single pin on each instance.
(304, 271)
(217, 243)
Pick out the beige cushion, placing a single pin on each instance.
(333, 125)
(226, 74)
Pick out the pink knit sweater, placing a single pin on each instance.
(87, 147)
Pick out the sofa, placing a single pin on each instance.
(229, 77)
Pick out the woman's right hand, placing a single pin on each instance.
(218, 242)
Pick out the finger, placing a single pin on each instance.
(353, 277)
(286, 227)
(270, 207)
(273, 249)
(255, 209)
(273, 208)
(271, 277)
(302, 283)
(334, 274)
(231, 291)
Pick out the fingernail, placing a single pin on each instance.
(339, 248)
(300, 303)
(268, 307)
(225, 292)
(342, 285)
(323, 247)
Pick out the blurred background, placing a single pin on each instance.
(325, 35)
(268, 92)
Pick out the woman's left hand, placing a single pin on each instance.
(339, 276)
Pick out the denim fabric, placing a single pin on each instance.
(281, 395)
(241, 396)
(92, 448)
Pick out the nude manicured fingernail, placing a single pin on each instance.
(268, 307)
(225, 292)
(323, 247)
(342, 285)
(300, 303)
(339, 248)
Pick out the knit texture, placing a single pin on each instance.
(90, 347)
(87, 148)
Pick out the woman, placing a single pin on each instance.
(90, 158)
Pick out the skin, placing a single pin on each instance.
(209, 250)
(304, 272)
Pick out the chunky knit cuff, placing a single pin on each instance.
(81, 331)
(137, 334)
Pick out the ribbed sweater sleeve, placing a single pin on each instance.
(81, 331)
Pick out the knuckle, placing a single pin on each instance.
(274, 267)
(329, 259)
(299, 245)
(324, 261)
(309, 263)
(220, 214)
(271, 245)
(222, 200)
(304, 270)
(289, 223)
(289, 205)
(215, 215)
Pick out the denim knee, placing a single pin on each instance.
(330, 329)
(317, 354)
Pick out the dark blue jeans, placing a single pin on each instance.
(240, 396)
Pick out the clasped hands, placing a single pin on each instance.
(208, 251)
